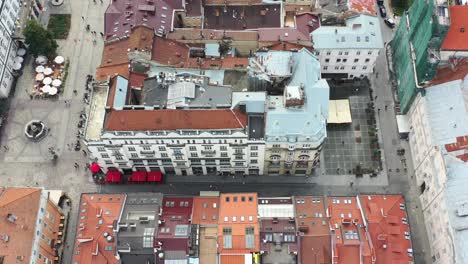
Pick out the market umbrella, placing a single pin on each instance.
(39, 77)
(56, 82)
(21, 52)
(17, 66)
(47, 80)
(41, 60)
(48, 71)
(46, 88)
(40, 69)
(59, 59)
(94, 168)
(53, 90)
(18, 59)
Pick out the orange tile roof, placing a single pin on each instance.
(306, 211)
(145, 120)
(232, 259)
(363, 6)
(386, 228)
(136, 79)
(315, 249)
(97, 214)
(205, 207)
(344, 211)
(115, 53)
(102, 73)
(238, 211)
(169, 52)
(456, 39)
(24, 204)
(451, 73)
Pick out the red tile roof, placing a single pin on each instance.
(307, 22)
(185, 34)
(118, 23)
(169, 52)
(456, 39)
(136, 79)
(386, 228)
(24, 204)
(97, 214)
(459, 148)
(241, 17)
(193, 8)
(205, 210)
(315, 249)
(363, 6)
(146, 120)
(102, 73)
(457, 70)
(281, 34)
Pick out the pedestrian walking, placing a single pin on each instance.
(82, 18)
(375, 98)
(102, 34)
(386, 106)
(75, 92)
(88, 27)
(342, 142)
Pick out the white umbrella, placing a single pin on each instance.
(53, 91)
(48, 71)
(56, 82)
(59, 59)
(39, 77)
(17, 66)
(46, 88)
(41, 60)
(21, 52)
(18, 59)
(47, 80)
(40, 69)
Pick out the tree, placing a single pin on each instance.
(39, 40)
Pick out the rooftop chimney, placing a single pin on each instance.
(12, 218)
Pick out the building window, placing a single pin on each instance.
(227, 237)
(358, 53)
(223, 148)
(192, 148)
(328, 53)
(118, 157)
(254, 154)
(353, 68)
(369, 53)
(356, 60)
(346, 53)
(327, 60)
(179, 157)
(325, 68)
(367, 60)
(224, 154)
(358, 39)
(104, 156)
(276, 145)
(342, 68)
(101, 149)
(162, 148)
(146, 147)
(148, 238)
(340, 53)
(207, 147)
(134, 155)
(338, 60)
(239, 164)
(194, 155)
(254, 148)
(253, 161)
(367, 38)
(345, 60)
(108, 162)
(131, 149)
(228, 199)
(337, 67)
(364, 68)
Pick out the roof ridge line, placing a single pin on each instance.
(240, 123)
(1, 206)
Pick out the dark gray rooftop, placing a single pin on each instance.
(140, 215)
(155, 93)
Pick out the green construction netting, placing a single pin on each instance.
(425, 34)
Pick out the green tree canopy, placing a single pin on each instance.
(39, 40)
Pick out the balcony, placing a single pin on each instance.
(208, 152)
(291, 147)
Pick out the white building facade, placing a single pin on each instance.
(438, 128)
(350, 51)
(182, 152)
(9, 11)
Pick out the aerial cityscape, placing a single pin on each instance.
(233, 131)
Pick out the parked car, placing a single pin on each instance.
(389, 22)
(383, 11)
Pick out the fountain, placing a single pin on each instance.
(35, 130)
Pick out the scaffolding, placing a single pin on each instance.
(418, 30)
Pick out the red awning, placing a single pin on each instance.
(139, 176)
(113, 176)
(154, 176)
(95, 168)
